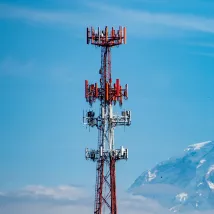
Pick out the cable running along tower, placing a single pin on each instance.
(108, 94)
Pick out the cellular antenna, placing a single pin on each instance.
(108, 94)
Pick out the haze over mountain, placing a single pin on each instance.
(183, 183)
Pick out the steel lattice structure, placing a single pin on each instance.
(108, 94)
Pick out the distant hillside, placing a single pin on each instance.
(181, 183)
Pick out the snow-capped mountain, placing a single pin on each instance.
(181, 183)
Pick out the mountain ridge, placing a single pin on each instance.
(181, 183)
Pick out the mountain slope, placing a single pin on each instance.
(181, 183)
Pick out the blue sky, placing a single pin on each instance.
(44, 60)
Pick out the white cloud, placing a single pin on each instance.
(138, 17)
(58, 193)
(139, 22)
(63, 192)
(16, 12)
(41, 16)
(36, 199)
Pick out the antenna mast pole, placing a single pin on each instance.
(108, 94)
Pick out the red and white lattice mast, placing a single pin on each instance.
(108, 94)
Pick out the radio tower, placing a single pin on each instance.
(108, 94)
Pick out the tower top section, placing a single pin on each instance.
(106, 38)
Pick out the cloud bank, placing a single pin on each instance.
(37, 199)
